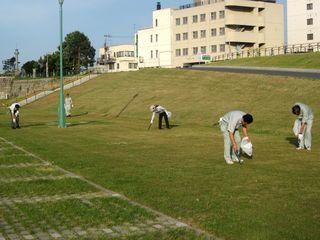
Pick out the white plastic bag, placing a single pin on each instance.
(296, 127)
(246, 146)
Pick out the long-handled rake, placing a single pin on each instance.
(125, 107)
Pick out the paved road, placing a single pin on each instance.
(292, 72)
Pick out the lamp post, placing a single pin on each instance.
(62, 118)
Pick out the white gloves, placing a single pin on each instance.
(14, 120)
(300, 137)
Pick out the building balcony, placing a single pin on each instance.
(244, 19)
(245, 37)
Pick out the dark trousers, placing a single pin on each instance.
(16, 124)
(163, 115)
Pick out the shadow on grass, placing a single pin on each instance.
(292, 140)
(174, 125)
(74, 124)
(79, 114)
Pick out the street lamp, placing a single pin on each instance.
(62, 118)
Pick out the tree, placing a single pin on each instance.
(9, 65)
(78, 52)
(29, 66)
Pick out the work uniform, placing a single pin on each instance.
(68, 105)
(163, 113)
(14, 114)
(231, 122)
(306, 116)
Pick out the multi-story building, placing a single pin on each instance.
(303, 20)
(207, 28)
(117, 58)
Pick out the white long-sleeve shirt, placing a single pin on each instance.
(158, 110)
(13, 107)
(68, 102)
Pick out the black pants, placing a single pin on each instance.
(16, 124)
(163, 115)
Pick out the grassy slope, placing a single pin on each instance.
(306, 60)
(181, 172)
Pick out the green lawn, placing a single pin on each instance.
(181, 172)
(302, 60)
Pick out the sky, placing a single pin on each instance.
(32, 26)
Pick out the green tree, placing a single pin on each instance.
(77, 51)
(9, 65)
(29, 66)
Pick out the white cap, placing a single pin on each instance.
(152, 108)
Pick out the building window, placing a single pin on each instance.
(185, 36)
(222, 31)
(213, 16)
(213, 48)
(156, 37)
(221, 14)
(178, 37)
(156, 22)
(151, 54)
(157, 53)
(213, 32)
(185, 52)
(203, 50)
(178, 52)
(195, 18)
(309, 6)
(177, 21)
(118, 66)
(203, 33)
(195, 34)
(185, 20)
(222, 47)
(151, 38)
(310, 36)
(202, 17)
(195, 50)
(310, 21)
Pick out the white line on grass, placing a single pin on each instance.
(107, 191)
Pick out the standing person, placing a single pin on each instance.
(305, 118)
(163, 113)
(14, 113)
(229, 125)
(68, 105)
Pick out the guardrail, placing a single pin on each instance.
(272, 51)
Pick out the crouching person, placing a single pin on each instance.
(163, 113)
(229, 125)
(303, 125)
(14, 113)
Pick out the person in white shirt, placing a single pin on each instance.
(163, 113)
(14, 113)
(304, 125)
(68, 105)
(229, 125)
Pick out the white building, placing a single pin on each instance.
(117, 58)
(303, 18)
(205, 29)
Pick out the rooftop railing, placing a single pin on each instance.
(207, 2)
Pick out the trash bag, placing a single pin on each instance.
(246, 146)
(296, 127)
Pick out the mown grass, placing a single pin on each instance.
(28, 172)
(301, 60)
(181, 171)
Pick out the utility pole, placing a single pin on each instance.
(16, 54)
(47, 67)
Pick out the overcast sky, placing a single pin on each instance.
(33, 25)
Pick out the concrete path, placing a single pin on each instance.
(66, 87)
(291, 72)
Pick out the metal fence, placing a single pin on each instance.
(272, 51)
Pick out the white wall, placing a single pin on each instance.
(163, 45)
(297, 15)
